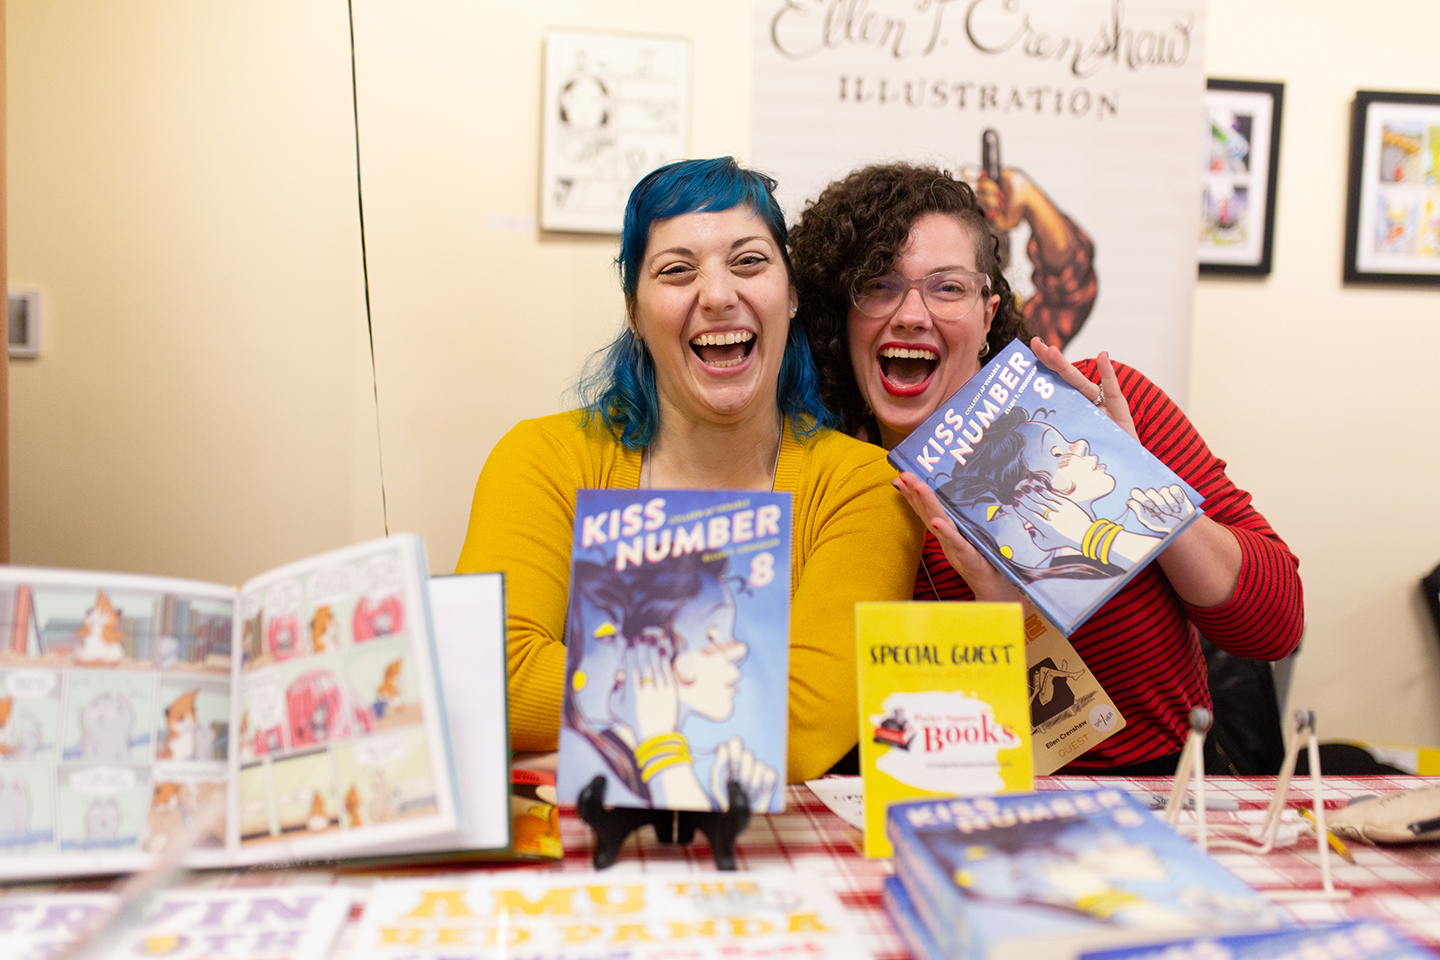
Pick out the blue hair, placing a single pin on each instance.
(617, 388)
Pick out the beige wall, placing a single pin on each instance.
(1321, 397)
(182, 192)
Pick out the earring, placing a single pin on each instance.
(793, 311)
(985, 350)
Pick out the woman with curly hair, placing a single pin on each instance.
(899, 278)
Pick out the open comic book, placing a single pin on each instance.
(309, 699)
(1059, 499)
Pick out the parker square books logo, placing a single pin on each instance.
(935, 736)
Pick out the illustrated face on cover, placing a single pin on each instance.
(708, 657)
(907, 364)
(1074, 472)
(712, 306)
(1032, 492)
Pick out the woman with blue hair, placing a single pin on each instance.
(709, 385)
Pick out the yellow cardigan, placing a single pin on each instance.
(854, 539)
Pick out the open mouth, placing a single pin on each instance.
(721, 350)
(906, 371)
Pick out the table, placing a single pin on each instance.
(1400, 885)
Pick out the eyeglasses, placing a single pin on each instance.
(948, 294)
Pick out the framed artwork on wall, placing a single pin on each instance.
(616, 107)
(1242, 161)
(1392, 207)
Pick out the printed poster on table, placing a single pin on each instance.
(1076, 120)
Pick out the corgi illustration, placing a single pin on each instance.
(319, 820)
(389, 689)
(105, 725)
(168, 815)
(324, 631)
(352, 806)
(19, 733)
(100, 636)
(167, 796)
(7, 704)
(183, 734)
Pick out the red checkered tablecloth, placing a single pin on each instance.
(1398, 884)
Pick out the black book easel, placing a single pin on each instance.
(613, 826)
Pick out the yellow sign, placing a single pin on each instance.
(944, 708)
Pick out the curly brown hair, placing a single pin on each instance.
(855, 230)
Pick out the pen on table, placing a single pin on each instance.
(1334, 841)
(1213, 801)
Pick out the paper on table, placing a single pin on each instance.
(845, 796)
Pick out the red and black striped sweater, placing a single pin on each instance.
(1142, 645)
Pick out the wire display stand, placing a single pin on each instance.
(1231, 836)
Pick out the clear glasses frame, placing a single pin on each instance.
(948, 294)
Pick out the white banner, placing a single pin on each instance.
(1085, 115)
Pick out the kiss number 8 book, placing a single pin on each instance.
(677, 648)
(1059, 499)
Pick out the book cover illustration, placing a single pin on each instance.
(906, 920)
(1059, 499)
(677, 646)
(1346, 940)
(1070, 712)
(697, 916)
(281, 923)
(1047, 874)
(943, 704)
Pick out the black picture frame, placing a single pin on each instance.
(1228, 244)
(1380, 122)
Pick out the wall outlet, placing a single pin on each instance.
(24, 323)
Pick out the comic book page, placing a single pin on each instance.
(341, 742)
(678, 640)
(114, 717)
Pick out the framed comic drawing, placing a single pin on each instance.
(1392, 207)
(1242, 160)
(616, 107)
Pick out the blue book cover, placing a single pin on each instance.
(1051, 874)
(677, 648)
(1060, 500)
(1346, 940)
(901, 911)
